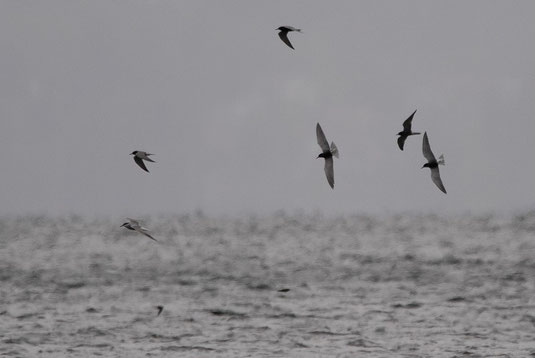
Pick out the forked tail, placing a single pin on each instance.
(334, 150)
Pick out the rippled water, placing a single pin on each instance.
(282, 285)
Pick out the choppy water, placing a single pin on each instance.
(399, 286)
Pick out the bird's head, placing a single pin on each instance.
(280, 28)
(400, 133)
(134, 152)
(322, 155)
(124, 225)
(426, 165)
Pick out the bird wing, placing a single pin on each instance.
(139, 162)
(435, 176)
(329, 171)
(408, 123)
(133, 222)
(291, 28)
(401, 141)
(145, 156)
(144, 232)
(426, 149)
(284, 37)
(322, 141)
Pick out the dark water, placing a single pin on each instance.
(281, 285)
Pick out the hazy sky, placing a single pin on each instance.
(230, 111)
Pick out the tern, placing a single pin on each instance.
(160, 309)
(433, 164)
(283, 34)
(139, 157)
(327, 154)
(406, 131)
(134, 225)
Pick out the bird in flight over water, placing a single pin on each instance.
(140, 156)
(160, 309)
(407, 131)
(134, 225)
(283, 34)
(327, 154)
(433, 164)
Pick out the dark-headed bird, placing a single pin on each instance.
(327, 154)
(433, 164)
(160, 309)
(283, 34)
(134, 225)
(407, 131)
(140, 156)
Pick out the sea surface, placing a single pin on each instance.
(280, 285)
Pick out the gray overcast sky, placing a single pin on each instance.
(230, 111)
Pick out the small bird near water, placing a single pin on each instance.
(283, 34)
(407, 131)
(140, 156)
(327, 154)
(433, 164)
(160, 309)
(134, 225)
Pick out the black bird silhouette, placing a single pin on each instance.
(433, 164)
(327, 154)
(406, 131)
(139, 156)
(283, 34)
(160, 309)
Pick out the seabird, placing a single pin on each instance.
(283, 34)
(160, 309)
(433, 164)
(406, 131)
(327, 154)
(139, 156)
(134, 225)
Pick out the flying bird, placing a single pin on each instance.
(433, 164)
(134, 225)
(283, 34)
(139, 157)
(406, 131)
(160, 309)
(327, 154)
